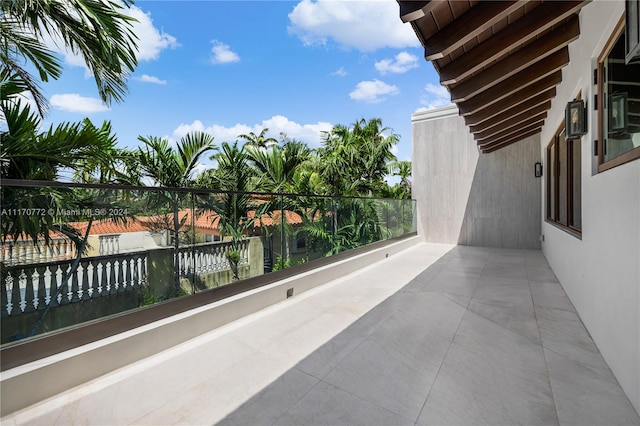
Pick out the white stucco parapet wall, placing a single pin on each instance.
(434, 114)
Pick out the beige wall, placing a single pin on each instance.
(466, 198)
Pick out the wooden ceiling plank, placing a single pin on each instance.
(534, 53)
(506, 143)
(510, 117)
(530, 93)
(537, 21)
(536, 72)
(490, 143)
(413, 10)
(507, 129)
(517, 98)
(466, 27)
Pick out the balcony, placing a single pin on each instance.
(433, 334)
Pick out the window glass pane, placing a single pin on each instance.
(576, 187)
(622, 91)
(562, 178)
(551, 196)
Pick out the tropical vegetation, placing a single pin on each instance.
(354, 160)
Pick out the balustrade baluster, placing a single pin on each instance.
(29, 296)
(19, 250)
(64, 292)
(28, 253)
(219, 258)
(143, 271)
(4, 296)
(104, 281)
(42, 288)
(95, 283)
(85, 280)
(128, 276)
(53, 285)
(113, 289)
(75, 285)
(63, 250)
(121, 282)
(186, 263)
(16, 296)
(206, 261)
(133, 272)
(214, 259)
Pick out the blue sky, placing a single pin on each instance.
(231, 67)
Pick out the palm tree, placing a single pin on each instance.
(259, 140)
(275, 166)
(173, 168)
(28, 153)
(96, 30)
(235, 177)
(354, 159)
(401, 169)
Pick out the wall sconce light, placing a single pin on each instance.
(575, 122)
(537, 168)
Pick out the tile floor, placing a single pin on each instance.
(438, 334)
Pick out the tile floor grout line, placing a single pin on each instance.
(435, 378)
(541, 343)
(284, 413)
(365, 400)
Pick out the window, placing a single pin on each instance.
(564, 183)
(632, 11)
(619, 105)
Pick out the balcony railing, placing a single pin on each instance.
(139, 246)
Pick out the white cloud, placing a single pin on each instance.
(402, 63)
(150, 42)
(73, 102)
(25, 98)
(201, 167)
(222, 54)
(309, 133)
(373, 91)
(434, 97)
(145, 78)
(340, 72)
(364, 25)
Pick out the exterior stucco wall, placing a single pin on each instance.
(489, 200)
(601, 272)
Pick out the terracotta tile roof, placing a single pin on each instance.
(102, 227)
(207, 221)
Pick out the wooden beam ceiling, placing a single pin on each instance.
(411, 10)
(497, 141)
(513, 140)
(511, 86)
(473, 22)
(497, 132)
(528, 92)
(507, 119)
(500, 60)
(541, 19)
(478, 123)
(537, 52)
